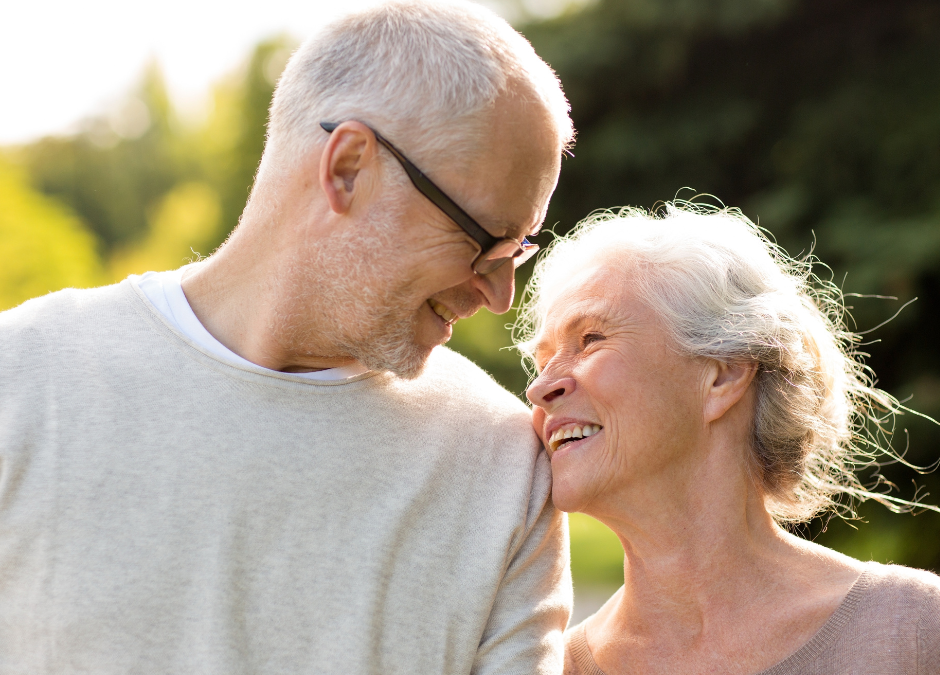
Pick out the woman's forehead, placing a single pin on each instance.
(603, 298)
(597, 284)
(571, 283)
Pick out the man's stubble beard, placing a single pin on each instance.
(354, 302)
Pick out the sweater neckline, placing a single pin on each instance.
(829, 632)
(812, 649)
(144, 306)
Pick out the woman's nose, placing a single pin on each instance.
(546, 390)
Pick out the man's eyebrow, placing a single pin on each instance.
(504, 228)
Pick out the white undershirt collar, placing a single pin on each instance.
(165, 291)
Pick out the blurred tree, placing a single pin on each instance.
(121, 167)
(118, 168)
(182, 228)
(596, 553)
(43, 245)
(231, 143)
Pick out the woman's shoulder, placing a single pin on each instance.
(881, 584)
(906, 599)
(907, 584)
(578, 657)
(899, 594)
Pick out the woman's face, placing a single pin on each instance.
(608, 372)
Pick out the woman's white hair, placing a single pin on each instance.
(723, 290)
(422, 72)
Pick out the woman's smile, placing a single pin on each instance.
(570, 434)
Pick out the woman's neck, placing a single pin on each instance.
(678, 549)
(704, 567)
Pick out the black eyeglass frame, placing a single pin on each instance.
(482, 264)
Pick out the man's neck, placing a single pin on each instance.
(238, 295)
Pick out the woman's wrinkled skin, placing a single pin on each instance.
(711, 583)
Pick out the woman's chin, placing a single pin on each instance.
(573, 479)
(567, 497)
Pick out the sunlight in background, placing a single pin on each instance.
(68, 60)
(64, 61)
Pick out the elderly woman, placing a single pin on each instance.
(696, 391)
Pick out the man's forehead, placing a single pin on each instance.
(515, 173)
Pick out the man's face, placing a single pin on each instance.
(419, 278)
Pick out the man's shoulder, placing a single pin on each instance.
(61, 318)
(454, 388)
(454, 375)
(60, 307)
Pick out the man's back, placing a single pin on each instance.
(162, 511)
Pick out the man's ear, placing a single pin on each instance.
(726, 383)
(350, 148)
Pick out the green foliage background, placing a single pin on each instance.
(819, 118)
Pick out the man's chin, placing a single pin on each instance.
(406, 361)
(395, 344)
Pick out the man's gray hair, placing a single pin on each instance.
(723, 290)
(422, 72)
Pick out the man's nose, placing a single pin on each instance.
(547, 391)
(497, 287)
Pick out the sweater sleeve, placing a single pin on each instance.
(928, 633)
(524, 634)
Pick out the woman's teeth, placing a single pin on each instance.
(562, 436)
(443, 312)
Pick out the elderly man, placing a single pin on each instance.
(265, 462)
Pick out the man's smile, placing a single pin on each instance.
(448, 316)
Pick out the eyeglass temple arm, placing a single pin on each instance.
(434, 193)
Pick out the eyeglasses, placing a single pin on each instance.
(494, 252)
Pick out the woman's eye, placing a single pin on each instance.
(589, 338)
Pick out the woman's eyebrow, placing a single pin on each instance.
(583, 317)
(571, 323)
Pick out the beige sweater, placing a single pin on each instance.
(165, 512)
(888, 624)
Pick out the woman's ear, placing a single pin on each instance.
(350, 148)
(726, 384)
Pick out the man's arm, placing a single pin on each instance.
(524, 634)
